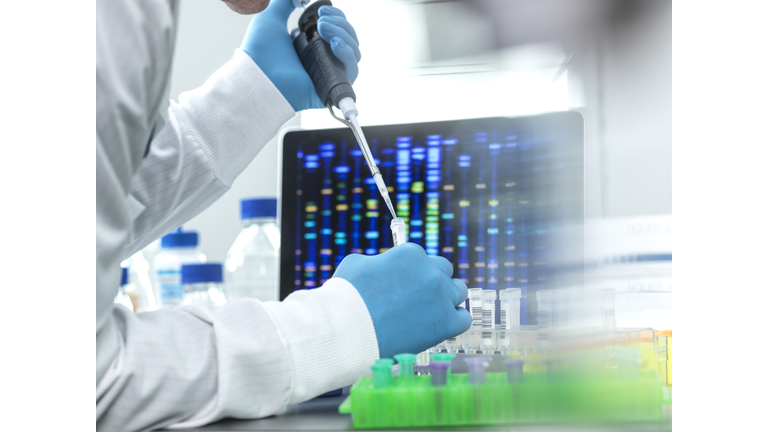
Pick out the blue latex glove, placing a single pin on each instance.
(410, 296)
(269, 44)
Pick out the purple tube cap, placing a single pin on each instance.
(515, 362)
(475, 362)
(438, 366)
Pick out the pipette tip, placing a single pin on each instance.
(389, 206)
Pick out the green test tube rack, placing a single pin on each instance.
(592, 397)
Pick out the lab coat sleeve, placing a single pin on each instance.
(190, 366)
(212, 134)
(193, 365)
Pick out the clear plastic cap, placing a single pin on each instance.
(475, 293)
(510, 294)
(489, 294)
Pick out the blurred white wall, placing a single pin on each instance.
(621, 81)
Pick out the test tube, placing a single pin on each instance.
(444, 357)
(515, 370)
(476, 367)
(509, 310)
(398, 231)
(452, 345)
(422, 358)
(405, 364)
(608, 308)
(469, 341)
(487, 342)
(382, 374)
(476, 306)
(438, 372)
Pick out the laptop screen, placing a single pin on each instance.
(501, 198)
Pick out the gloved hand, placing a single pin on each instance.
(410, 296)
(269, 44)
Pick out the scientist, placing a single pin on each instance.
(158, 167)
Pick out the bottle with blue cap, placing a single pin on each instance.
(252, 264)
(202, 284)
(176, 249)
(122, 297)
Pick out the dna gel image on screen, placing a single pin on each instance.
(501, 198)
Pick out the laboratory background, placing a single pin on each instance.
(529, 142)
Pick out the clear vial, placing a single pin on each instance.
(489, 321)
(476, 307)
(453, 345)
(398, 231)
(509, 319)
(202, 284)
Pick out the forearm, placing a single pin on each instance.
(190, 366)
(213, 133)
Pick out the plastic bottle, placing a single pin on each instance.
(252, 262)
(202, 284)
(122, 298)
(176, 249)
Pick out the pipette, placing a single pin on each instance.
(331, 83)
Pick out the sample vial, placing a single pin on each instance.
(452, 345)
(476, 368)
(202, 284)
(405, 364)
(509, 319)
(476, 306)
(438, 372)
(488, 344)
(515, 370)
(398, 231)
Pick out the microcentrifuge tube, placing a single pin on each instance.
(438, 372)
(405, 362)
(398, 231)
(488, 343)
(476, 367)
(444, 357)
(553, 368)
(476, 306)
(382, 375)
(515, 370)
(509, 309)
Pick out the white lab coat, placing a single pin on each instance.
(192, 365)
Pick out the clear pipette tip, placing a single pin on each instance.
(389, 206)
